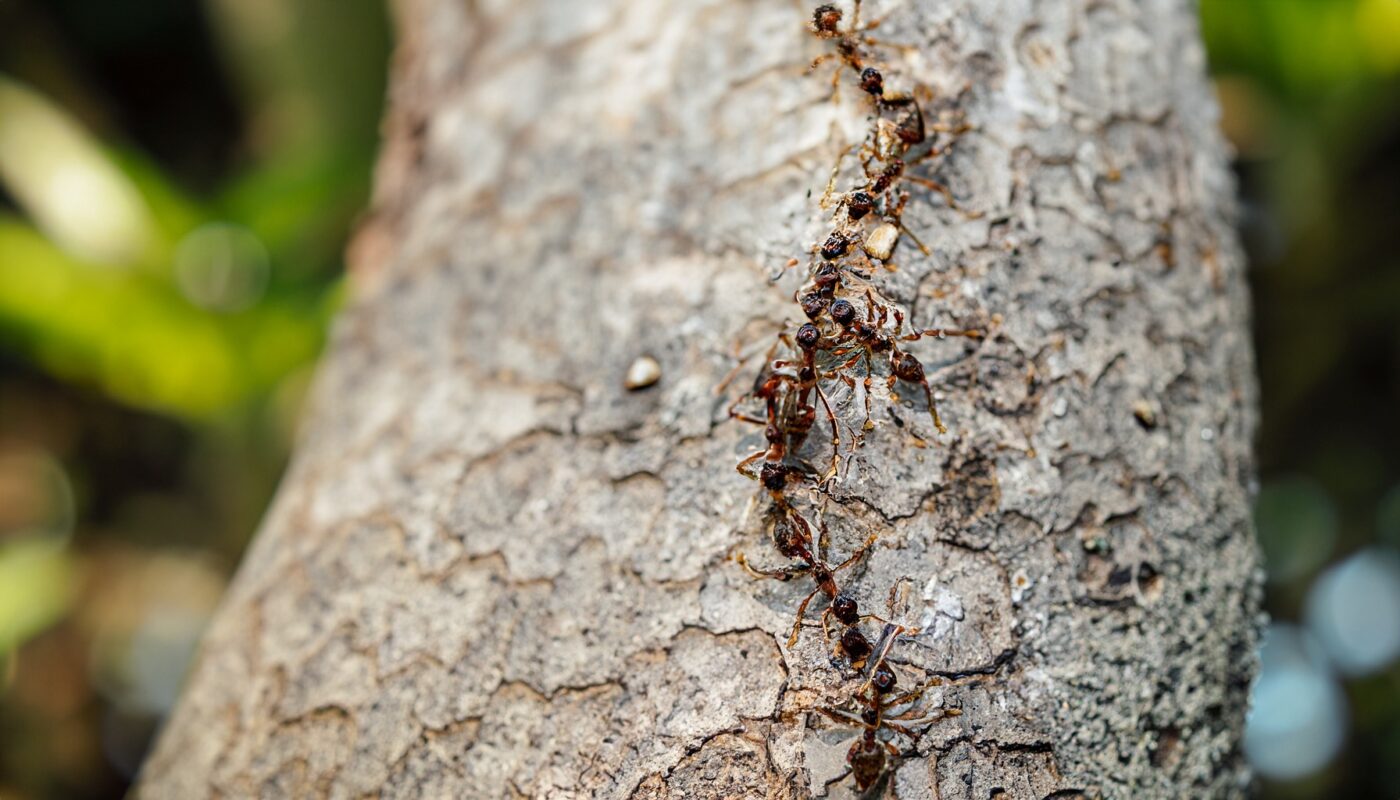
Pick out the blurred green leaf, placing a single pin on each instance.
(66, 183)
(137, 338)
(36, 586)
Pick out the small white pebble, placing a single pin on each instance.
(1207, 434)
(881, 241)
(1060, 408)
(644, 372)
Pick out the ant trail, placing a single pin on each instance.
(819, 376)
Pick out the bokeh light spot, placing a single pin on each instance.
(222, 267)
(1297, 719)
(1354, 611)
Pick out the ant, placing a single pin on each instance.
(868, 755)
(790, 415)
(826, 25)
(868, 339)
(792, 536)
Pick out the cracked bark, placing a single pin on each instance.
(492, 571)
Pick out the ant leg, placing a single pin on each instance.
(903, 730)
(801, 612)
(933, 407)
(942, 333)
(928, 395)
(947, 195)
(835, 437)
(837, 715)
(742, 464)
(897, 214)
(856, 27)
(785, 574)
(733, 373)
(823, 540)
(857, 555)
(805, 528)
(873, 42)
(835, 171)
(904, 699)
(952, 130)
(923, 248)
(905, 727)
(826, 630)
(850, 362)
(822, 59)
(735, 413)
(835, 96)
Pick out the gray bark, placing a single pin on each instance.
(493, 571)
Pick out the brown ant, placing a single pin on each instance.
(876, 699)
(792, 536)
(790, 414)
(869, 755)
(826, 25)
(868, 339)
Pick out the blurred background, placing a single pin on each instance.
(178, 179)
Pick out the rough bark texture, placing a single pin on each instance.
(492, 571)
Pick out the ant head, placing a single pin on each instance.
(836, 246)
(859, 204)
(813, 305)
(872, 81)
(808, 336)
(845, 609)
(773, 476)
(843, 312)
(883, 679)
(826, 19)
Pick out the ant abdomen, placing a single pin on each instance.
(854, 644)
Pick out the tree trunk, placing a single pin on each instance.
(494, 571)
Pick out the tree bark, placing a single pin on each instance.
(493, 571)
